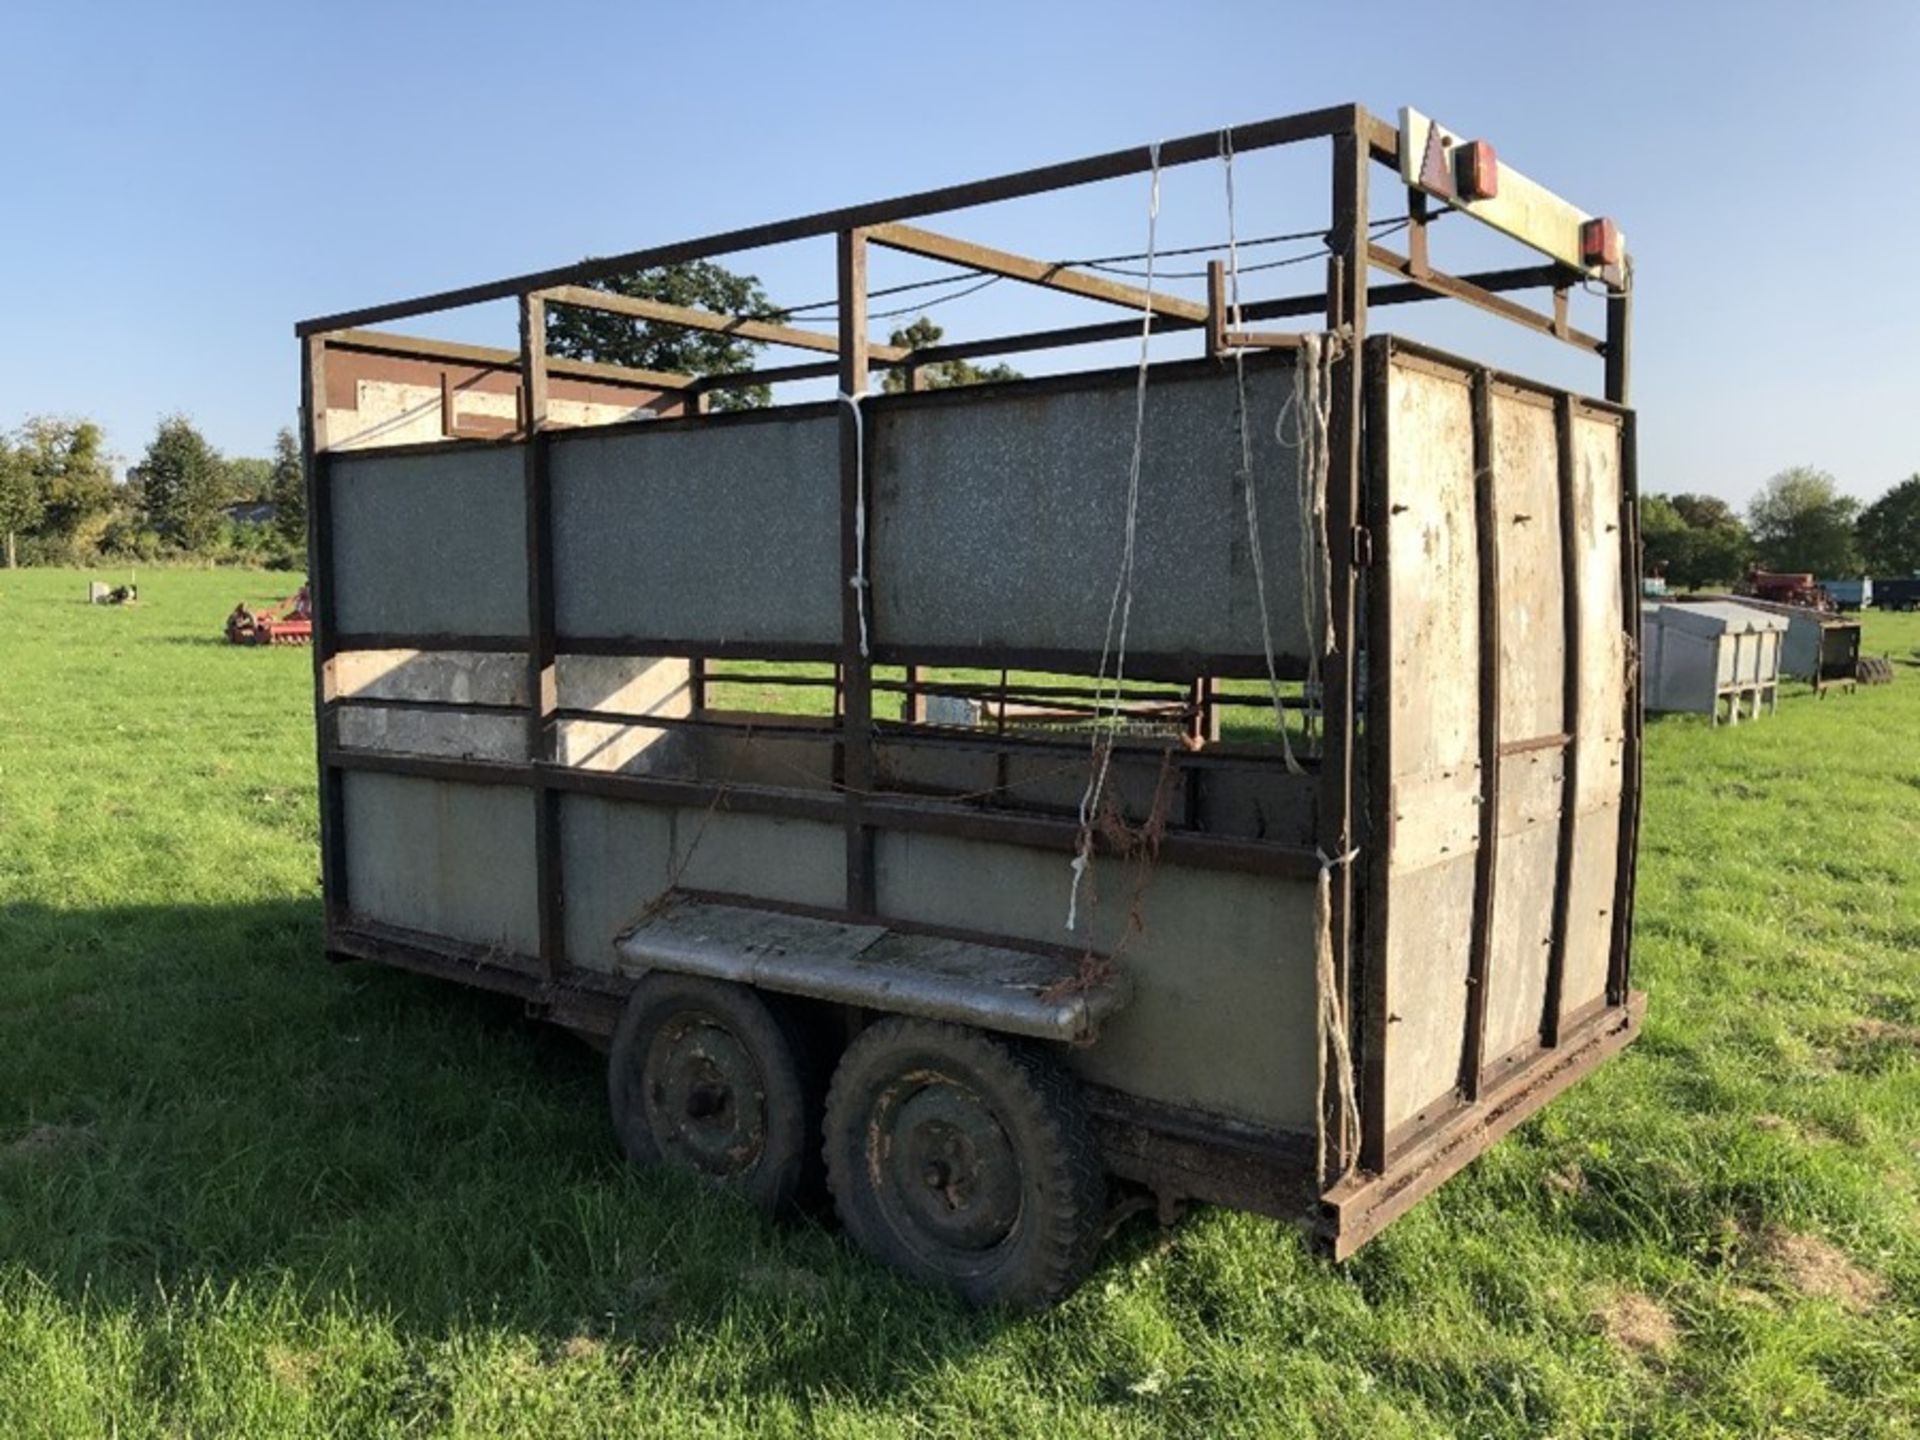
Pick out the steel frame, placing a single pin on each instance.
(1371, 1175)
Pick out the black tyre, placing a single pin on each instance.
(703, 1075)
(965, 1161)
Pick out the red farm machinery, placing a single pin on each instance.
(287, 621)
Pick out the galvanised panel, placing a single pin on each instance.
(619, 856)
(1526, 483)
(1222, 1017)
(431, 543)
(729, 531)
(1000, 521)
(448, 858)
(615, 857)
(1433, 692)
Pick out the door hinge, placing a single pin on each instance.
(1362, 547)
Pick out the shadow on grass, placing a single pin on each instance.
(193, 1102)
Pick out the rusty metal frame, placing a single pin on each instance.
(1366, 1182)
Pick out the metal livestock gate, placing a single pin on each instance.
(1324, 983)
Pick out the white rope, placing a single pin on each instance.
(1120, 607)
(859, 580)
(1334, 1044)
(1246, 470)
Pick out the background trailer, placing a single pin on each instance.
(1173, 907)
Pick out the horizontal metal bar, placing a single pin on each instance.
(1051, 274)
(405, 640)
(487, 357)
(660, 312)
(1532, 743)
(1363, 1203)
(789, 728)
(1457, 288)
(1217, 756)
(1134, 160)
(1103, 332)
(1015, 689)
(1141, 665)
(775, 651)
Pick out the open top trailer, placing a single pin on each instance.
(1214, 779)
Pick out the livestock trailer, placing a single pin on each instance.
(1280, 853)
(1712, 657)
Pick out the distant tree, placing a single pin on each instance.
(578, 334)
(287, 488)
(1889, 530)
(184, 485)
(1697, 540)
(942, 374)
(1663, 536)
(22, 499)
(1801, 522)
(68, 459)
(245, 478)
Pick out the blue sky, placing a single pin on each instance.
(184, 181)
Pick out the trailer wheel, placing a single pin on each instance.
(965, 1161)
(704, 1076)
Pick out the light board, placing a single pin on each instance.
(1529, 212)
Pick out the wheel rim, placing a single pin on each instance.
(704, 1096)
(948, 1175)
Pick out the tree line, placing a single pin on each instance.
(62, 504)
(1799, 522)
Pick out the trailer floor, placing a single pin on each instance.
(245, 1192)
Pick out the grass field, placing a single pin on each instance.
(243, 1192)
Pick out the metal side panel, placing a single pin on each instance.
(1432, 688)
(1221, 965)
(443, 858)
(1000, 521)
(1506, 727)
(933, 977)
(1532, 708)
(430, 543)
(1599, 777)
(620, 856)
(725, 532)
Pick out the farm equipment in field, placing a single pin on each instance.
(288, 621)
(1785, 588)
(1898, 592)
(1855, 594)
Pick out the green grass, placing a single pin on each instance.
(243, 1192)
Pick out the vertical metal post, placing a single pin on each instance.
(1619, 385)
(1347, 317)
(1618, 976)
(1417, 262)
(1571, 721)
(1216, 309)
(318, 467)
(856, 724)
(542, 682)
(1486, 859)
(1619, 345)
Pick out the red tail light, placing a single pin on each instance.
(1600, 242)
(1476, 170)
